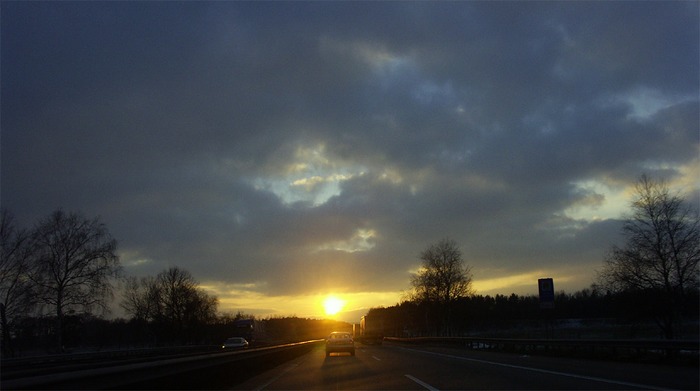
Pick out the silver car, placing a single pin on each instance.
(340, 342)
(235, 343)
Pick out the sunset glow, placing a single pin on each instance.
(332, 305)
(302, 167)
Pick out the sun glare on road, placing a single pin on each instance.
(332, 305)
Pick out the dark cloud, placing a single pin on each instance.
(264, 143)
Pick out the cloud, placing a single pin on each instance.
(256, 148)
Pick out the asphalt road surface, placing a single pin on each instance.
(404, 367)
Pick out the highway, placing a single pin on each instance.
(407, 367)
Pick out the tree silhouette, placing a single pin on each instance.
(172, 303)
(659, 261)
(17, 296)
(72, 263)
(442, 279)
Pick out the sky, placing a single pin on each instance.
(283, 152)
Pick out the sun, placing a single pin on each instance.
(332, 305)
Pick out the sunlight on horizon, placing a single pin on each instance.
(332, 305)
(525, 283)
(351, 306)
(249, 301)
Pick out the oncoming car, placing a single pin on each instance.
(340, 342)
(235, 343)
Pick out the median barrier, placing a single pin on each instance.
(202, 371)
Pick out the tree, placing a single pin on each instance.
(141, 298)
(172, 303)
(659, 260)
(74, 259)
(442, 279)
(16, 290)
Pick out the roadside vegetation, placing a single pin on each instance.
(586, 314)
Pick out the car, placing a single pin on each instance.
(235, 343)
(339, 341)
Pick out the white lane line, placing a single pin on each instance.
(422, 383)
(573, 375)
(376, 358)
(274, 379)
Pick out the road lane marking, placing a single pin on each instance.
(422, 383)
(275, 378)
(376, 358)
(573, 375)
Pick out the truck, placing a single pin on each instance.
(371, 330)
(356, 335)
(251, 329)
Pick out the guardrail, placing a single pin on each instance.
(201, 371)
(586, 346)
(10, 362)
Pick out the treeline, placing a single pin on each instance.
(583, 314)
(58, 277)
(85, 332)
(586, 313)
(171, 309)
(653, 277)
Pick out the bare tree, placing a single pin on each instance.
(172, 302)
(73, 262)
(442, 279)
(141, 298)
(660, 259)
(16, 290)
